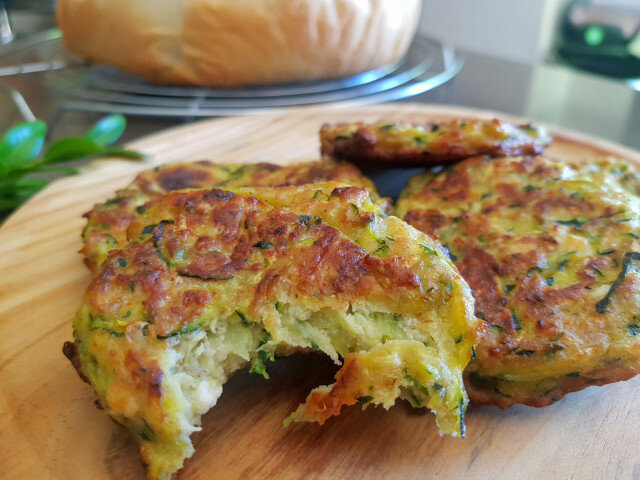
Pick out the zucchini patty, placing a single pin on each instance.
(107, 223)
(404, 145)
(215, 280)
(550, 251)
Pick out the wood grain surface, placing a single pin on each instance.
(50, 429)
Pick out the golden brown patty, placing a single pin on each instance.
(550, 251)
(401, 145)
(108, 222)
(217, 280)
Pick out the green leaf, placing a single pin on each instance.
(57, 169)
(75, 148)
(9, 203)
(107, 130)
(71, 149)
(21, 145)
(121, 152)
(31, 183)
(20, 189)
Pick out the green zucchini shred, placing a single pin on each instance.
(601, 306)
(258, 363)
(243, 319)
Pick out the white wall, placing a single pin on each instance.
(512, 29)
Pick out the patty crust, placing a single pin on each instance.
(107, 223)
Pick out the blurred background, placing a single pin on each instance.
(573, 63)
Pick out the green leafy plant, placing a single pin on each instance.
(21, 156)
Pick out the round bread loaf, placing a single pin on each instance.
(239, 42)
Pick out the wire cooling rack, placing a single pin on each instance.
(93, 88)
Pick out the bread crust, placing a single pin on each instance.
(226, 43)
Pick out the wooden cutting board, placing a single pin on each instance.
(49, 427)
